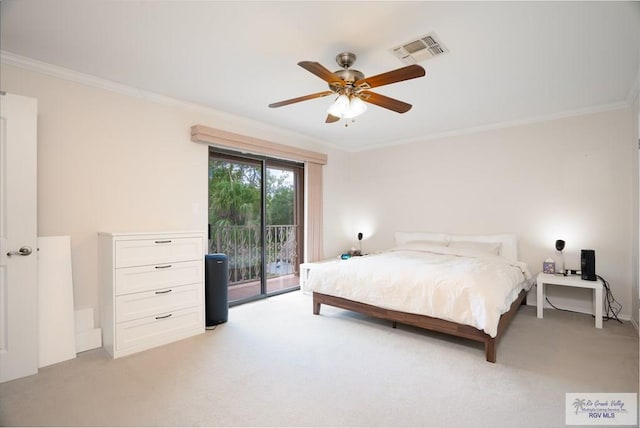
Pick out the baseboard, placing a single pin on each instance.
(582, 311)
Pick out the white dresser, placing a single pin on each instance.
(152, 289)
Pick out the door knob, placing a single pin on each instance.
(23, 251)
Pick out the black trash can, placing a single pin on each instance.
(216, 296)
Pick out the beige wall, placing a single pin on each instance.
(566, 179)
(112, 162)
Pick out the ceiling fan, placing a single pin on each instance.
(352, 88)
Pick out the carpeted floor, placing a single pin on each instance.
(276, 364)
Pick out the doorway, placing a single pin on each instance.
(255, 218)
(18, 237)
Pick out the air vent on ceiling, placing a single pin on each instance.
(420, 49)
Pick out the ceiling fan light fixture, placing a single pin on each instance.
(356, 108)
(340, 106)
(347, 107)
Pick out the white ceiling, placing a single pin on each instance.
(509, 62)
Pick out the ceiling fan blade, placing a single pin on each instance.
(331, 118)
(386, 102)
(398, 75)
(320, 71)
(297, 100)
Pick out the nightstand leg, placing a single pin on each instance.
(540, 300)
(597, 299)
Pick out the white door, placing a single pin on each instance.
(18, 237)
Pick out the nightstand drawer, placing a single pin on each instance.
(139, 305)
(132, 336)
(141, 252)
(146, 278)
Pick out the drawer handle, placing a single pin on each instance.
(164, 242)
(163, 317)
(163, 267)
(163, 292)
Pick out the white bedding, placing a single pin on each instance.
(455, 284)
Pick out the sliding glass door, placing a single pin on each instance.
(255, 218)
(283, 232)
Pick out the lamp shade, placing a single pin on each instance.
(356, 108)
(340, 106)
(347, 107)
(559, 245)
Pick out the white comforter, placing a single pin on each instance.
(454, 284)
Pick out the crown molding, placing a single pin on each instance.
(501, 125)
(10, 58)
(75, 76)
(41, 67)
(96, 82)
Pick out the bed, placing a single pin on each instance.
(464, 285)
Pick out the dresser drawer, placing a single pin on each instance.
(151, 277)
(135, 335)
(139, 252)
(139, 305)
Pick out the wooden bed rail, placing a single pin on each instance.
(426, 322)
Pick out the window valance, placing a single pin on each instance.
(220, 138)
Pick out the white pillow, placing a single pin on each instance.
(432, 238)
(421, 246)
(485, 247)
(509, 242)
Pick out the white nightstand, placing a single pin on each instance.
(571, 281)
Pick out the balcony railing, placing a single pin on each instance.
(242, 246)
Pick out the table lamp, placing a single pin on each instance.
(559, 247)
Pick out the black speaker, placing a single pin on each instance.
(216, 294)
(588, 265)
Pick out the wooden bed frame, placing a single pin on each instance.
(426, 322)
